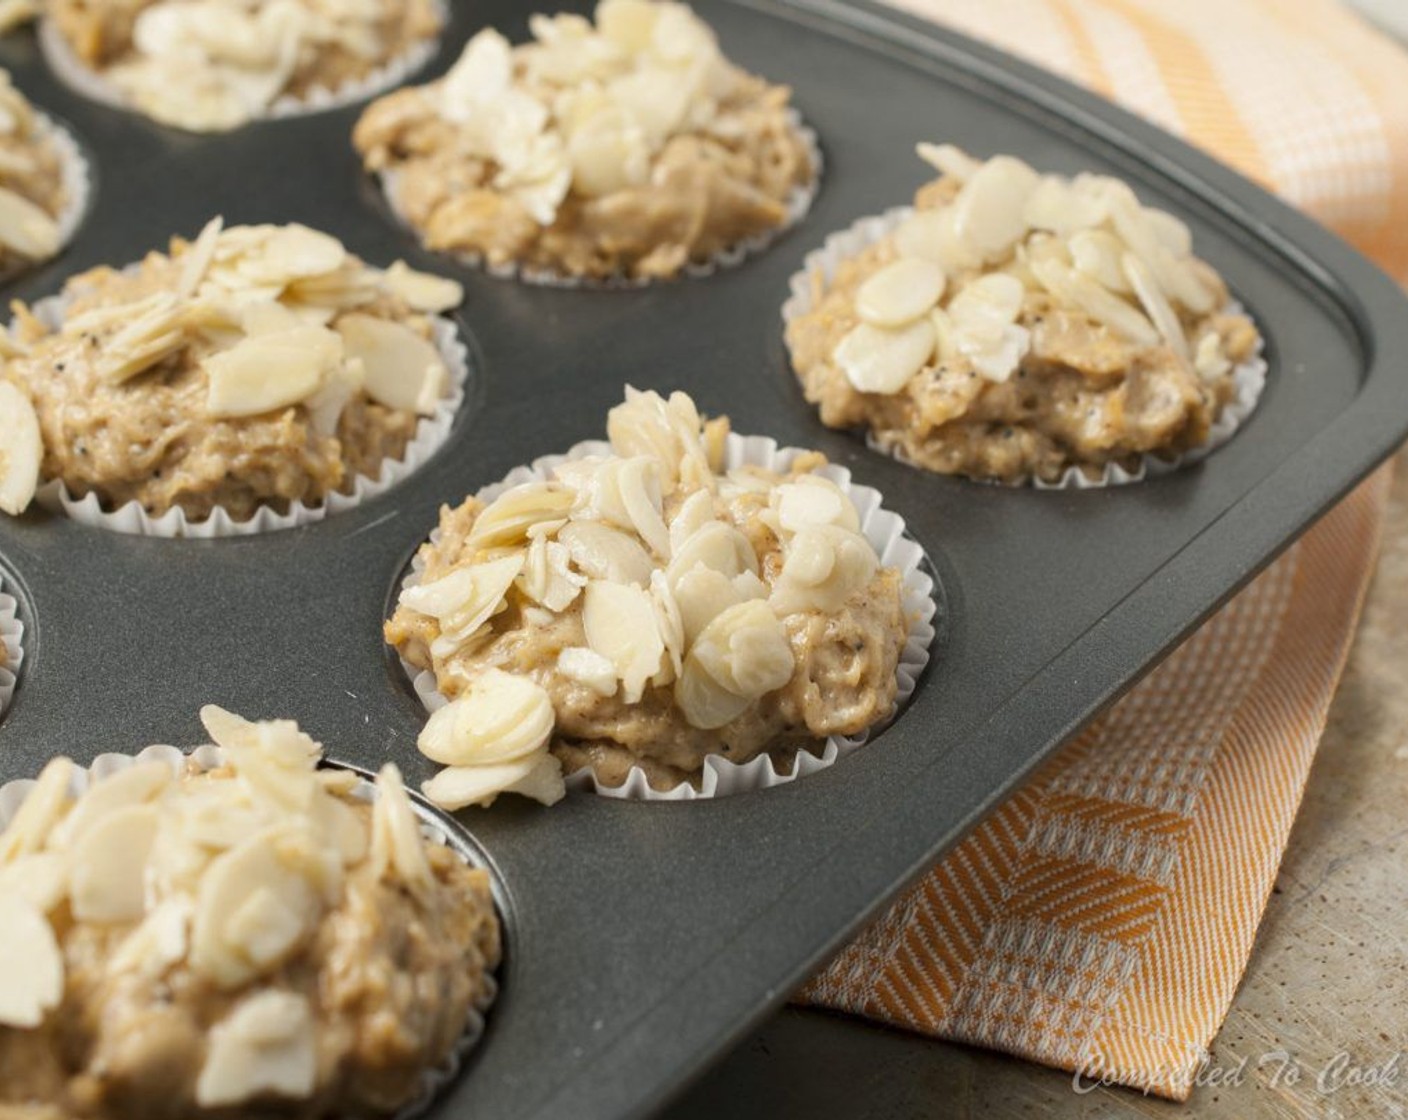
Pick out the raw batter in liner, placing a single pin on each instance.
(245, 942)
(1021, 325)
(726, 614)
(32, 191)
(625, 149)
(261, 365)
(210, 65)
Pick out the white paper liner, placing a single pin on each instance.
(1248, 378)
(83, 79)
(799, 204)
(431, 433)
(883, 528)
(208, 757)
(12, 638)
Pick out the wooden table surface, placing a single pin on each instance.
(1321, 1012)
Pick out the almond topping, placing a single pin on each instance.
(501, 718)
(401, 369)
(877, 360)
(21, 449)
(900, 292)
(267, 1044)
(32, 981)
(620, 624)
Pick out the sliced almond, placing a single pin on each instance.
(609, 153)
(628, 23)
(198, 257)
(701, 595)
(717, 546)
(465, 600)
(265, 1046)
(295, 252)
(40, 878)
(877, 360)
(397, 848)
(604, 553)
(255, 907)
(814, 500)
(667, 430)
(627, 493)
(402, 369)
(1057, 206)
(423, 291)
(136, 785)
(1156, 305)
(990, 210)
(547, 577)
(824, 567)
(620, 624)
(949, 160)
(107, 874)
(502, 717)
(25, 228)
(32, 981)
(586, 666)
(40, 811)
(932, 235)
(900, 292)
(746, 650)
(992, 300)
(507, 519)
(1096, 301)
(1097, 253)
(671, 623)
(269, 372)
(693, 514)
(21, 449)
(537, 776)
(158, 943)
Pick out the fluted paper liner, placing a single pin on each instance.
(799, 204)
(11, 637)
(1248, 378)
(83, 79)
(431, 433)
(208, 757)
(883, 528)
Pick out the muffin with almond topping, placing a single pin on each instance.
(643, 608)
(214, 65)
(258, 938)
(259, 370)
(42, 182)
(1017, 327)
(622, 150)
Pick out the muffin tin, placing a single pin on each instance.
(643, 938)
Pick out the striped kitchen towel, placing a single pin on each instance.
(1102, 918)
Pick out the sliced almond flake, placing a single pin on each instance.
(32, 981)
(1174, 277)
(586, 666)
(992, 300)
(1056, 206)
(507, 519)
(269, 372)
(717, 546)
(458, 787)
(26, 228)
(1097, 302)
(949, 160)
(401, 369)
(824, 566)
(501, 717)
(667, 430)
(1173, 233)
(1160, 311)
(255, 907)
(398, 850)
(746, 650)
(601, 552)
(620, 624)
(609, 152)
(423, 291)
(701, 595)
(139, 784)
(878, 360)
(21, 449)
(932, 235)
(1098, 254)
(901, 292)
(198, 257)
(43, 807)
(1210, 360)
(464, 600)
(630, 24)
(671, 624)
(627, 493)
(990, 210)
(693, 514)
(547, 577)
(265, 1046)
(40, 878)
(995, 352)
(108, 866)
(813, 500)
(325, 407)
(158, 943)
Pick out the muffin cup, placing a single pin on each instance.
(1248, 378)
(11, 637)
(799, 203)
(431, 433)
(433, 1080)
(883, 528)
(83, 79)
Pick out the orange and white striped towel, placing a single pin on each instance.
(1102, 917)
